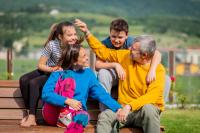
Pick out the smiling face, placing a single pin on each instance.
(118, 38)
(82, 58)
(69, 35)
(135, 52)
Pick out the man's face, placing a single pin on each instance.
(118, 38)
(135, 53)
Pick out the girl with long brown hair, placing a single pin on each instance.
(31, 84)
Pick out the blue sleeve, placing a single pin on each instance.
(98, 92)
(48, 94)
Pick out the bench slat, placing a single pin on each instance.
(11, 103)
(15, 103)
(10, 126)
(15, 114)
(11, 114)
(9, 83)
(10, 92)
(19, 103)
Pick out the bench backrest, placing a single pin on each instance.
(12, 104)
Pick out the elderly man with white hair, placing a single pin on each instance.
(142, 103)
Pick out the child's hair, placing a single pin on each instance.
(56, 29)
(119, 25)
(69, 56)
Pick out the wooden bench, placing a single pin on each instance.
(12, 110)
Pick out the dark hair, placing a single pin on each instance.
(69, 56)
(56, 30)
(119, 25)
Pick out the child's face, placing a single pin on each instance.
(69, 35)
(83, 58)
(118, 38)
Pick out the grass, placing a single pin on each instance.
(181, 121)
(21, 66)
(188, 86)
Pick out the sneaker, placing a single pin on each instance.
(64, 119)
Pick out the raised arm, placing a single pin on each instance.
(100, 50)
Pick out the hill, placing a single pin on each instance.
(128, 8)
(174, 23)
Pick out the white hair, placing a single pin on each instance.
(147, 45)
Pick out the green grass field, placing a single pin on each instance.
(20, 67)
(181, 121)
(188, 86)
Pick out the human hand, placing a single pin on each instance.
(151, 76)
(75, 104)
(120, 71)
(56, 68)
(123, 113)
(82, 26)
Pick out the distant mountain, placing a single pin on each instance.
(128, 8)
(175, 23)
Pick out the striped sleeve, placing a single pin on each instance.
(46, 51)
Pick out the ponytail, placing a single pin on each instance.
(52, 34)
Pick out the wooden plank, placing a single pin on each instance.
(13, 114)
(11, 103)
(9, 83)
(15, 103)
(8, 126)
(10, 63)
(10, 92)
(171, 63)
(19, 103)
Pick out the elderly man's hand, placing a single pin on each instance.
(123, 113)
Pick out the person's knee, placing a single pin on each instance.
(23, 79)
(150, 112)
(102, 116)
(103, 74)
(106, 115)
